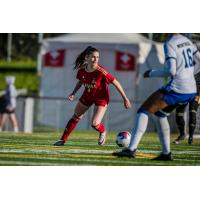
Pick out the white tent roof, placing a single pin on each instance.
(116, 38)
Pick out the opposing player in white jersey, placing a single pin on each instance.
(181, 89)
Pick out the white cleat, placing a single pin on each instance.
(102, 138)
(176, 142)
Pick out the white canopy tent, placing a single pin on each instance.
(60, 81)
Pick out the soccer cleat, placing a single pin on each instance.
(164, 157)
(59, 143)
(190, 140)
(102, 138)
(176, 142)
(180, 137)
(125, 153)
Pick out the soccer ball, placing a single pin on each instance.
(123, 139)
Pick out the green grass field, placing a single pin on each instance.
(82, 149)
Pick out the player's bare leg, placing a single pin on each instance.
(4, 117)
(99, 112)
(154, 103)
(80, 109)
(13, 120)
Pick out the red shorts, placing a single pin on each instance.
(88, 102)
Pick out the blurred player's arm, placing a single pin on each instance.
(76, 88)
(119, 88)
(169, 69)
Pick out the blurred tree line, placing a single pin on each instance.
(161, 37)
(158, 37)
(24, 45)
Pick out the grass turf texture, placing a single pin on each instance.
(82, 149)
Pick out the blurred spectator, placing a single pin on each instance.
(8, 104)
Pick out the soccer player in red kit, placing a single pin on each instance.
(95, 80)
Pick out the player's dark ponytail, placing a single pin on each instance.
(80, 60)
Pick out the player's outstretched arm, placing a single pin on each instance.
(156, 73)
(119, 88)
(77, 87)
(169, 69)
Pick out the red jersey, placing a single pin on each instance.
(96, 84)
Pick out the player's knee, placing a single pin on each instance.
(76, 117)
(193, 113)
(192, 118)
(180, 121)
(194, 105)
(192, 125)
(95, 124)
(179, 114)
(143, 110)
(161, 114)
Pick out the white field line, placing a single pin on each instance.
(117, 161)
(67, 151)
(87, 143)
(43, 148)
(54, 151)
(180, 152)
(51, 144)
(83, 159)
(89, 161)
(29, 163)
(107, 152)
(186, 160)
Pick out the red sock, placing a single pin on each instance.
(100, 128)
(69, 128)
